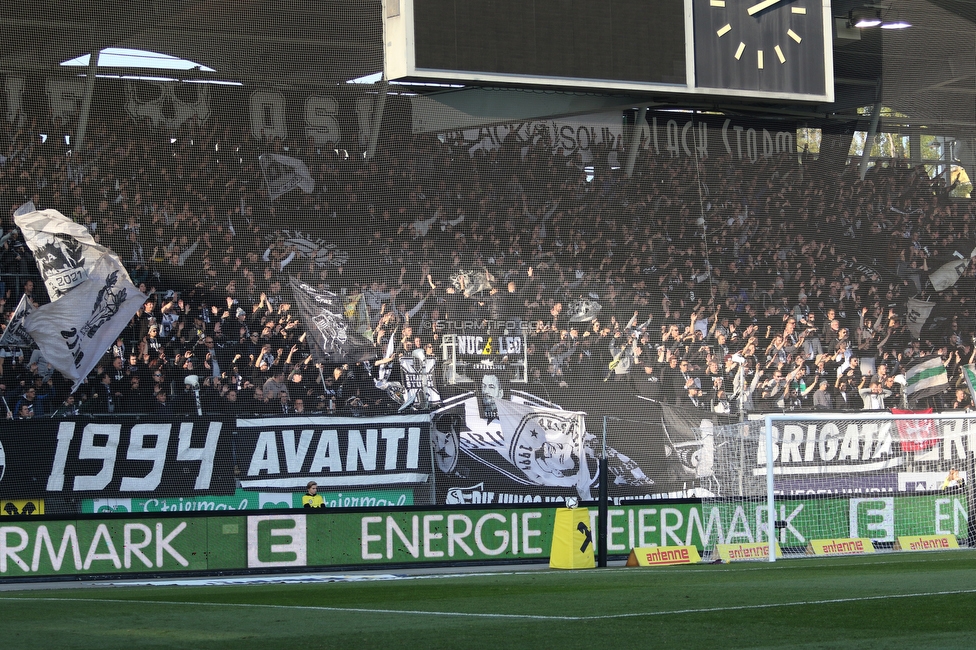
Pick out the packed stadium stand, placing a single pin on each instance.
(791, 270)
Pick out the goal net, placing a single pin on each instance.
(875, 476)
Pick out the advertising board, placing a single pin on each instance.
(294, 539)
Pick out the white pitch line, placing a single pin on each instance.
(358, 610)
(537, 617)
(804, 603)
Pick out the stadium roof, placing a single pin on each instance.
(257, 42)
(927, 72)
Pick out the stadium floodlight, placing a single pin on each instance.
(792, 478)
(862, 18)
(898, 23)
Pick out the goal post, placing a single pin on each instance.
(794, 477)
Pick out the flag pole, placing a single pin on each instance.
(602, 508)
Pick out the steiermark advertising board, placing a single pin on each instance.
(293, 539)
(250, 500)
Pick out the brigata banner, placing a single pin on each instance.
(299, 540)
(285, 453)
(119, 458)
(822, 457)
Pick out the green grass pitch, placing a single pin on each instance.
(893, 600)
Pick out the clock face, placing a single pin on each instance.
(760, 45)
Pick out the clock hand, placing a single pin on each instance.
(754, 9)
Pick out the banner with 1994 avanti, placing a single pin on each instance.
(76, 462)
(520, 449)
(475, 447)
(291, 540)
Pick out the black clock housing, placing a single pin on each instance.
(721, 30)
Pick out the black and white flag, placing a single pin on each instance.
(16, 335)
(74, 332)
(546, 444)
(284, 173)
(65, 251)
(418, 377)
(329, 335)
(949, 267)
(472, 282)
(690, 445)
(92, 297)
(584, 310)
(311, 247)
(918, 313)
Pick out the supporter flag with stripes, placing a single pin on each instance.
(925, 377)
(330, 337)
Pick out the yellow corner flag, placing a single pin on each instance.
(572, 540)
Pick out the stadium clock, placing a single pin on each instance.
(772, 46)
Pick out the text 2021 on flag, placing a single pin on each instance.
(93, 297)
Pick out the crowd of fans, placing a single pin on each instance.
(714, 284)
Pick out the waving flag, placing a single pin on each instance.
(925, 377)
(584, 310)
(16, 336)
(64, 250)
(969, 373)
(356, 313)
(74, 332)
(284, 173)
(473, 282)
(918, 313)
(329, 334)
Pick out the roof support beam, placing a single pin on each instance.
(86, 101)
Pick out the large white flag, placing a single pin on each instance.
(540, 445)
(284, 173)
(74, 332)
(65, 251)
(545, 444)
(92, 297)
